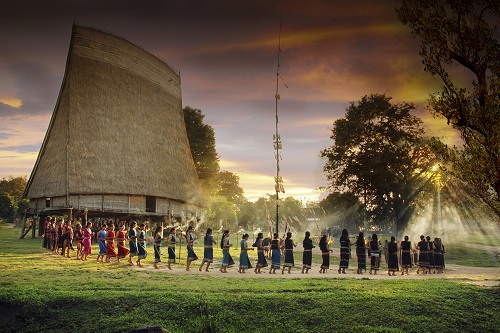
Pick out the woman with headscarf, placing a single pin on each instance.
(325, 254)
(261, 257)
(307, 244)
(405, 247)
(361, 253)
(375, 254)
(345, 251)
(289, 245)
(392, 257)
(208, 250)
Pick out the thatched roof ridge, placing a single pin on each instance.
(117, 126)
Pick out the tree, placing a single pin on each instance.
(202, 143)
(7, 207)
(221, 211)
(343, 209)
(14, 186)
(380, 155)
(230, 188)
(12, 202)
(464, 33)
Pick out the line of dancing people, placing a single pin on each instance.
(427, 255)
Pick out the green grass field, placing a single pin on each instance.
(41, 292)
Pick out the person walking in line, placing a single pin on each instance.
(307, 244)
(261, 256)
(227, 260)
(244, 259)
(375, 254)
(423, 255)
(325, 254)
(120, 243)
(110, 243)
(171, 241)
(406, 248)
(158, 236)
(87, 247)
(361, 253)
(132, 241)
(142, 253)
(275, 254)
(289, 245)
(392, 257)
(191, 256)
(101, 240)
(345, 251)
(208, 251)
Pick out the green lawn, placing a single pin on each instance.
(40, 292)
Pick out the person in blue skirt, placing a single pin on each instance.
(191, 256)
(101, 238)
(392, 257)
(244, 260)
(158, 236)
(261, 257)
(132, 236)
(208, 251)
(141, 244)
(275, 254)
(227, 260)
(289, 245)
(374, 254)
(345, 251)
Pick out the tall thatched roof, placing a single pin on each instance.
(117, 127)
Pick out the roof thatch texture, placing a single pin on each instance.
(117, 127)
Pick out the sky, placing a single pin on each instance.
(332, 53)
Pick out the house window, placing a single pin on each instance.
(150, 204)
(47, 203)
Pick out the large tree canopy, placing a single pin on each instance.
(461, 36)
(381, 156)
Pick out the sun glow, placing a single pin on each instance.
(10, 101)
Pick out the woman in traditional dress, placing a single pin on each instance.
(61, 236)
(227, 260)
(158, 236)
(141, 245)
(87, 235)
(101, 239)
(345, 251)
(361, 253)
(69, 238)
(53, 234)
(375, 254)
(65, 238)
(392, 257)
(430, 253)
(171, 241)
(289, 261)
(120, 243)
(325, 254)
(79, 241)
(405, 247)
(438, 255)
(244, 260)
(275, 254)
(110, 243)
(191, 256)
(307, 244)
(132, 242)
(261, 257)
(423, 255)
(208, 250)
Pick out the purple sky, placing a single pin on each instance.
(333, 53)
